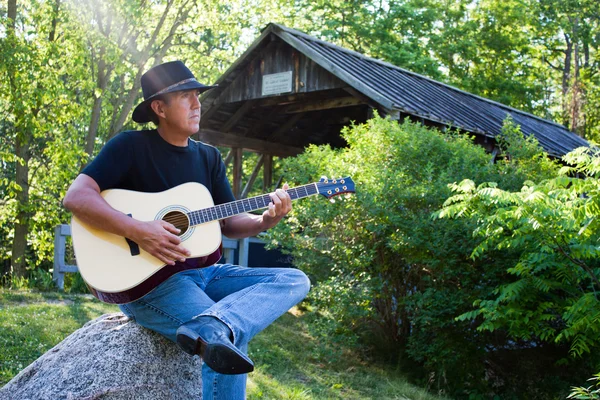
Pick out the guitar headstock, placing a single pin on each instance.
(334, 187)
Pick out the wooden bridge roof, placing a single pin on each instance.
(331, 86)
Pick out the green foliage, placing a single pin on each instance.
(62, 58)
(553, 227)
(488, 50)
(587, 393)
(394, 31)
(539, 56)
(591, 86)
(42, 280)
(74, 283)
(386, 269)
(344, 307)
(37, 102)
(524, 159)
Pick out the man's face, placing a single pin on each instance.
(181, 111)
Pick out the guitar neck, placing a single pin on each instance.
(227, 210)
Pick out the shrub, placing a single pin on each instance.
(416, 271)
(553, 226)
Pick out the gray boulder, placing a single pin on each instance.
(109, 358)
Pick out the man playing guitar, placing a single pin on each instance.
(212, 311)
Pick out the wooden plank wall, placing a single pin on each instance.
(277, 57)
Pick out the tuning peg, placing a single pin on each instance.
(332, 200)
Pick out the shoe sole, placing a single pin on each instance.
(219, 357)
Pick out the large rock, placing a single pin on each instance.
(109, 358)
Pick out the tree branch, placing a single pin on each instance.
(552, 66)
(577, 262)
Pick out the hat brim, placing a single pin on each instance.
(141, 114)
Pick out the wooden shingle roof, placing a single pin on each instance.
(398, 91)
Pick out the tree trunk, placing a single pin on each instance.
(12, 13)
(144, 56)
(127, 105)
(566, 80)
(19, 266)
(22, 171)
(577, 91)
(93, 129)
(52, 34)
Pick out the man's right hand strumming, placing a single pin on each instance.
(159, 238)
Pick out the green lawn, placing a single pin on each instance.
(290, 364)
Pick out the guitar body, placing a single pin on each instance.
(117, 270)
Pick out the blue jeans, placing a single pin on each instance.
(245, 299)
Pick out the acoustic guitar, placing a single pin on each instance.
(118, 271)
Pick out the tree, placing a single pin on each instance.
(124, 37)
(127, 38)
(487, 49)
(568, 34)
(22, 154)
(30, 80)
(72, 77)
(395, 31)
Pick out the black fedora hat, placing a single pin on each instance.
(164, 78)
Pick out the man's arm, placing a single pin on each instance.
(156, 237)
(246, 225)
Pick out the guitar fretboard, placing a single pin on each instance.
(227, 210)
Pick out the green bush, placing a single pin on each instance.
(553, 227)
(42, 280)
(587, 393)
(412, 275)
(74, 283)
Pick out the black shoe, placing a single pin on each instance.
(211, 339)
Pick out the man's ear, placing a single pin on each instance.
(158, 108)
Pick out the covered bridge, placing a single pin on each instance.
(289, 90)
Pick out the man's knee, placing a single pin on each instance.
(298, 282)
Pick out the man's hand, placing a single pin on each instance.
(279, 207)
(160, 239)
(245, 225)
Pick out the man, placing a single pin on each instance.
(212, 311)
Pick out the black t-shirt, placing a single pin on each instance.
(143, 161)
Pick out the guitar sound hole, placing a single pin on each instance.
(178, 219)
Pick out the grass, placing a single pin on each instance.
(32, 323)
(290, 363)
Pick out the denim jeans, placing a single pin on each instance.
(245, 299)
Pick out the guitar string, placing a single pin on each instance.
(182, 220)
